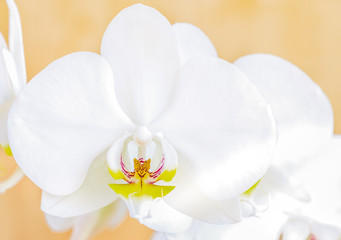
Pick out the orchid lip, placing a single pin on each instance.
(140, 166)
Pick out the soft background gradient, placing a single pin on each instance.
(305, 32)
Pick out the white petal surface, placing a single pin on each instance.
(159, 236)
(141, 48)
(263, 228)
(12, 71)
(87, 226)
(16, 41)
(323, 182)
(59, 224)
(4, 108)
(221, 125)
(192, 42)
(190, 200)
(163, 218)
(302, 111)
(6, 89)
(12, 180)
(63, 119)
(95, 193)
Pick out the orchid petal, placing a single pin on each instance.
(190, 200)
(159, 236)
(11, 181)
(6, 88)
(192, 42)
(278, 180)
(12, 70)
(89, 225)
(95, 193)
(4, 109)
(161, 217)
(303, 112)
(16, 41)
(301, 227)
(265, 227)
(141, 48)
(221, 125)
(59, 224)
(323, 182)
(63, 119)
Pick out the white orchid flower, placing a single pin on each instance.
(305, 123)
(88, 225)
(183, 136)
(303, 228)
(320, 219)
(12, 80)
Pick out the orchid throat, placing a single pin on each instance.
(142, 162)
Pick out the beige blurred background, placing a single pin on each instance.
(305, 32)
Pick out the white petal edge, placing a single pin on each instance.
(303, 112)
(16, 45)
(192, 42)
(94, 194)
(4, 109)
(59, 224)
(190, 200)
(221, 125)
(12, 70)
(87, 226)
(322, 180)
(141, 48)
(6, 88)
(12, 180)
(265, 227)
(63, 119)
(159, 236)
(163, 218)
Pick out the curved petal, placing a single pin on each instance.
(265, 227)
(11, 181)
(6, 88)
(159, 236)
(95, 193)
(87, 226)
(301, 227)
(190, 200)
(59, 224)
(221, 124)
(63, 119)
(16, 42)
(4, 109)
(303, 113)
(323, 182)
(163, 218)
(12, 71)
(192, 42)
(141, 48)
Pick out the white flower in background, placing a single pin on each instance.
(303, 228)
(305, 123)
(183, 136)
(12, 80)
(320, 219)
(88, 225)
